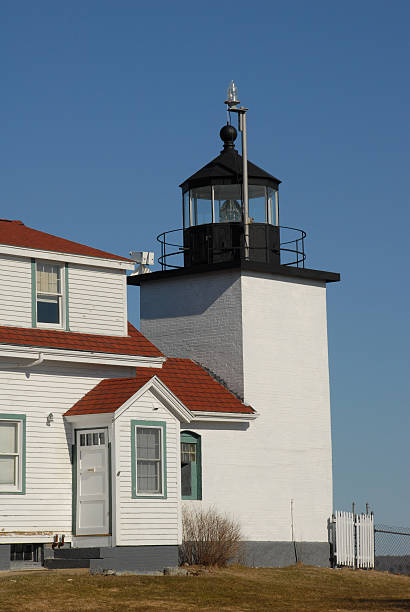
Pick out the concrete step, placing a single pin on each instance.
(77, 553)
(66, 563)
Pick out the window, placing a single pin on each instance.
(12, 453)
(191, 485)
(148, 455)
(49, 294)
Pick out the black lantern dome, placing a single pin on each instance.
(213, 210)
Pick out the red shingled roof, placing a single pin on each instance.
(133, 344)
(193, 386)
(15, 233)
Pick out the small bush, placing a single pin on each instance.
(209, 538)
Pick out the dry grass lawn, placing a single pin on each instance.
(297, 588)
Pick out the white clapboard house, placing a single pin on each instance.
(104, 436)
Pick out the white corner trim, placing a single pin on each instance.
(55, 354)
(98, 262)
(238, 417)
(164, 395)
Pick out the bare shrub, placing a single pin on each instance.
(209, 538)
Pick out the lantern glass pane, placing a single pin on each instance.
(228, 203)
(202, 205)
(257, 204)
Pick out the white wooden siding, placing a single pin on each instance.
(97, 300)
(46, 507)
(147, 521)
(15, 291)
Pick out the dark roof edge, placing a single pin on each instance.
(305, 273)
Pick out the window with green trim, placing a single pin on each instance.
(50, 294)
(148, 456)
(12, 453)
(191, 485)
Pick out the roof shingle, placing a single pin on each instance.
(133, 344)
(193, 386)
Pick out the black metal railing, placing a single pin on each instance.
(292, 248)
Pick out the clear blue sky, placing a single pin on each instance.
(106, 107)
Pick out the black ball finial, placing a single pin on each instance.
(228, 134)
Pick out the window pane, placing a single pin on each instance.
(82, 439)
(148, 476)
(8, 470)
(188, 452)
(8, 438)
(202, 205)
(48, 278)
(186, 486)
(148, 440)
(187, 221)
(102, 438)
(95, 439)
(228, 203)
(257, 204)
(48, 309)
(89, 439)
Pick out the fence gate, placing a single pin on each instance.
(352, 538)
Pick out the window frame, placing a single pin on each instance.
(20, 487)
(190, 437)
(62, 296)
(161, 425)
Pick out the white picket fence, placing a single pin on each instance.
(353, 539)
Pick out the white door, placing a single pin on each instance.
(93, 511)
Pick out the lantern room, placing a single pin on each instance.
(230, 211)
(213, 210)
(214, 193)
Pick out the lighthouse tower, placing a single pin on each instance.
(235, 295)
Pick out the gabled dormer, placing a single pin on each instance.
(47, 282)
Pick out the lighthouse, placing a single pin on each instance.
(235, 294)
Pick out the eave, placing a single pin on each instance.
(10, 351)
(98, 262)
(244, 266)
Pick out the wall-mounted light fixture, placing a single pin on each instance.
(50, 419)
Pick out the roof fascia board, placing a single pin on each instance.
(56, 354)
(164, 395)
(98, 262)
(238, 417)
(100, 419)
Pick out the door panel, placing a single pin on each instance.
(93, 510)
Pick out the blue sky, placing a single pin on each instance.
(106, 107)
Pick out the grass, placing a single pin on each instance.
(297, 589)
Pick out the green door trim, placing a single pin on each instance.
(190, 437)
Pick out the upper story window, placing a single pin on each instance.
(49, 294)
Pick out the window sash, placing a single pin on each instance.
(49, 290)
(11, 463)
(149, 460)
(48, 278)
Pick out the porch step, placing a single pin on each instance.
(66, 563)
(70, 558)
(77, 553)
